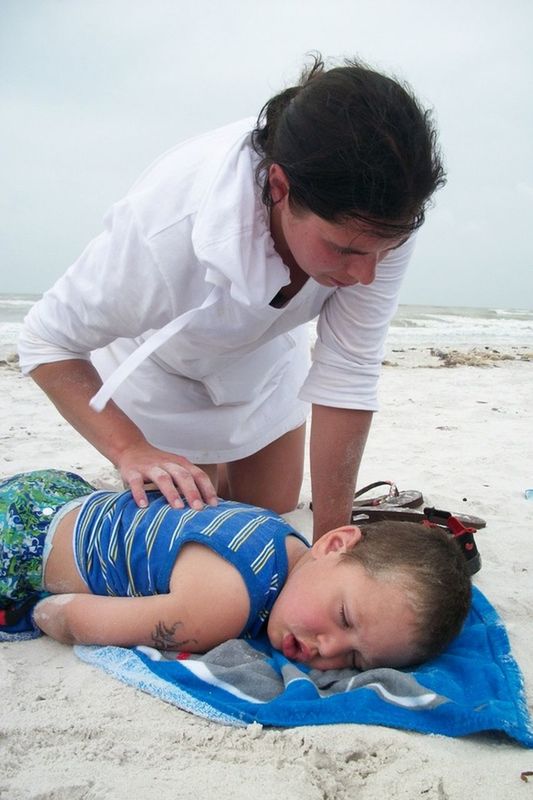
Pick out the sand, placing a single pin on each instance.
(462, 435)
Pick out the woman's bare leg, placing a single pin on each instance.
(213, 473)
(272, 477)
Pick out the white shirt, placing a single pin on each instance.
(195, 220)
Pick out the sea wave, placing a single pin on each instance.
(413, 326)
(407, 323)
(445, 312)
(16, 300)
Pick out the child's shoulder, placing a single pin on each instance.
(296, 546)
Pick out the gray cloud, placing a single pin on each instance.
(91, 92)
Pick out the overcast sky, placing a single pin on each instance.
(91, 91)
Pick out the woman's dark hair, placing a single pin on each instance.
(354, 144)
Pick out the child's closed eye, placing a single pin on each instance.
(344, 619)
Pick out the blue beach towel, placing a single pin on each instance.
(474, 686)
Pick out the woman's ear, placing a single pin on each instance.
(279, 183)
(338, 540)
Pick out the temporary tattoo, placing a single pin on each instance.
(163, 637)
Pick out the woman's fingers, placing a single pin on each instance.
(194, 484)
(178, 480)
(207, 490)
(135, 482)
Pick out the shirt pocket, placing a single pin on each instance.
(255, 373)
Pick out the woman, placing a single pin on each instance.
(212, 264)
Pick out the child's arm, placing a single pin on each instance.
(156, 621)
(207, 605)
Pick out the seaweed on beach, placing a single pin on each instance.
(476, 357)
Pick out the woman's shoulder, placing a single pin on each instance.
(193, 157)
(168, 196)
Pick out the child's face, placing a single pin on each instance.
(332, 614)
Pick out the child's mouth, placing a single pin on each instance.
(295, 650)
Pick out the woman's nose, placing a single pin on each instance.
(363, 268)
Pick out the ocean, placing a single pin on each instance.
(13, 309)
(461, 328)
(412, 327)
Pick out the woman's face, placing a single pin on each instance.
(332, 254)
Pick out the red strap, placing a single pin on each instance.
(457, 528)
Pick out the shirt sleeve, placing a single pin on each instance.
(351, 332)
(114, 289)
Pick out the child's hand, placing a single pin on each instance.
(175, 477)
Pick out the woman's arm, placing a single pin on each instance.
(70, 384)
(342, 384)
(115, 289)
(338, 438)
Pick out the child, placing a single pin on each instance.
(187, 579)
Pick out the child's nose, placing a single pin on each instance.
(330, 646)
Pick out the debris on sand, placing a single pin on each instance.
(476, 357)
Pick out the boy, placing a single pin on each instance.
(186, 579)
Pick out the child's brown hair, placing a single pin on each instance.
(430, 566)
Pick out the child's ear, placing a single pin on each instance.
(338, 541)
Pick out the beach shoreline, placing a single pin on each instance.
(461, 435)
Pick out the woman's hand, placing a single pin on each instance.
(70, 385)
(175, 476)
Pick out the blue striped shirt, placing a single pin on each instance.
(125, 551)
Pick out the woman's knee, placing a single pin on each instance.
(273, 476)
